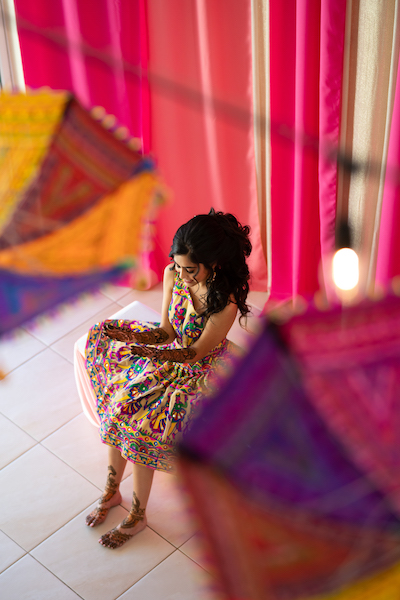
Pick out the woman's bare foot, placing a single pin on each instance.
(134, 523)
(110, 497)
(122, 533)
(99, 514)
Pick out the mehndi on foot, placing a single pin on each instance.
(110, 497)
(134, 523)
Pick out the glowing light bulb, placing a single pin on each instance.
(345, 269)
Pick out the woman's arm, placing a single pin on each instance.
(216, 329)
(160, 335)
(168, 284)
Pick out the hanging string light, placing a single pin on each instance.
(345, 262)
(345, 269)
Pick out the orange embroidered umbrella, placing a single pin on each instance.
(76, 204)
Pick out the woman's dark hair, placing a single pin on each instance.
(218, 239)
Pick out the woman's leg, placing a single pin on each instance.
(111, 495)
(136, 519)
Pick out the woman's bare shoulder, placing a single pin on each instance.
(169, 275)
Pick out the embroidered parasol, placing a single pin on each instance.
(77, 204)
(294, 469)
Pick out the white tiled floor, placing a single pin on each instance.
(52, 470)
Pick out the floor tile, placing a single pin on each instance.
(61, 477)
(10, 552)
(68, 317)
(13, 441)
(152, 298)
(17, 348)
(28, 580)
(41, 395)
(196, 549)
(78, 444)
(176, 578)
(115, 292)
(167, 511)
(96, 573)
(65, 345)
(39, 495)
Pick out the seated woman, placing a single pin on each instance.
(149, 379)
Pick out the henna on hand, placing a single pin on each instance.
(152, 336)
(122, 334)
(143, 351)
(180, 355)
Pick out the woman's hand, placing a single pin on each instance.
(152, 336)
(180, 355)
(125, 334)
(122, 333)
(144, 351)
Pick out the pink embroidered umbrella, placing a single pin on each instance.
(294, 469)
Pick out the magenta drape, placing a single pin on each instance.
(388, 261)
(333, 23)
(85, 47)
(305, 89)
(205, 157)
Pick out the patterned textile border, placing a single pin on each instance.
(257, 553)
(84, 162)
(146, 451)
(350, 363)
(23, 297)
(107, 234)
(27, 124)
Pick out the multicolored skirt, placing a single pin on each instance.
(145, 406)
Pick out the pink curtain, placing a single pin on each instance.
(204, 154)
(388, 263)
(306, 64)
(86, 47)
(205, 157)
(199, 51)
